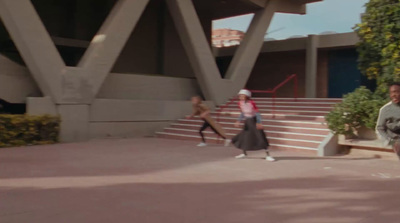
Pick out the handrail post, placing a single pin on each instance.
(295, 87)
(273, 104)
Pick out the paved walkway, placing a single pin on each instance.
(154, 180)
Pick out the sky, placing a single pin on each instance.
(329, 15)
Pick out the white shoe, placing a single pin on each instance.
(241, 156)
(227, 142)
(202, 144)
(269, 158)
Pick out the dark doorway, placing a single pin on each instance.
(344, 76)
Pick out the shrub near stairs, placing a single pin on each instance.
(20, 130)
(358, 109)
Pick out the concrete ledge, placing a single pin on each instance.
(148, 87)
(368, 148)
(329, 146)
(107, 110)
(366, 144)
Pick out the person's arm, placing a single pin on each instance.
(194, 112)
(240, 118)
(258, 118)
(204, 110)
(381, 126)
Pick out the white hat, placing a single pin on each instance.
(245, 92)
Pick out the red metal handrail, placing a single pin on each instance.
(273, 92)
(275, 89)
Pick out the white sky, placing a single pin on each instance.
(329, 15)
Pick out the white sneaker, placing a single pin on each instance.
(227, 142)
(202, 144)
(269, 158)
(241, 156)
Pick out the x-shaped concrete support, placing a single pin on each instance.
(79, 85)
(69, 85)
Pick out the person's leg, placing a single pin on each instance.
(227, 141)
(269, 157)
(216, 132)
(241, 156)
(203, 140)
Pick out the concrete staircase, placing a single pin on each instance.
(290, 124)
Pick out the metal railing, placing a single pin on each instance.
(273, 92)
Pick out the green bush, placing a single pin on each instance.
(359, 108)
(379, 45)
(19, 130)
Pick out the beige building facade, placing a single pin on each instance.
(226, 37)
(125, 67)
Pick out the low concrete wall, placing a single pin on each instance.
(330, 146)
(15, 82)
(148, 87)
(112, 118)
(107, 110)
(134, 118)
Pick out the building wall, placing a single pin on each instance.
(344, 75)
(133, 118)
(16, 83)
(226, 37)
(73, 18)
(142, 52)
(148, 87)
(273, 68)
(175, 60)
(153, 48)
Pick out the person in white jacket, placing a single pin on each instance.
(388, 124)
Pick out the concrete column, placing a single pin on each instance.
(108, 43)
(311, 66)
(247, 53)
(40, 106)
(74, 123)
(201, 57)
(197, 48)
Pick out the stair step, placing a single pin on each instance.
(292, 100)
(276, 144)
(276, 116)
(279, 140)
(276, 128)
(229, 121)
(279, 107)
(289, 123)
(234, 131)
(287, 103)
(288, 112)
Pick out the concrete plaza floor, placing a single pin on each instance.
(150, 180)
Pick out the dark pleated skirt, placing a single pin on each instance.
(251, 138)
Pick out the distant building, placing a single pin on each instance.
(226, 37)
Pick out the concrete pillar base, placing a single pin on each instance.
(74, 123)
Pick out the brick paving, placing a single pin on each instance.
(150, 180)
